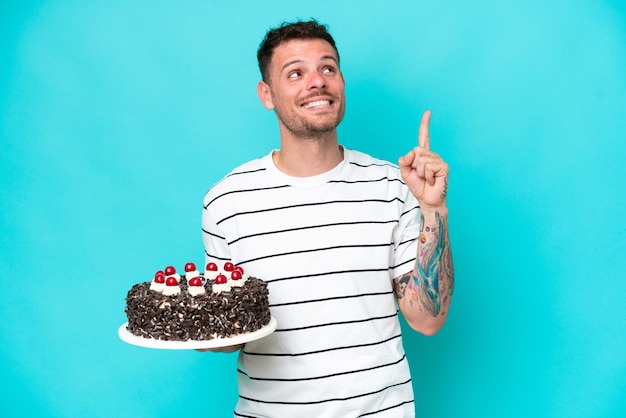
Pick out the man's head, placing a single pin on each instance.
(302, 81)
(288, 31)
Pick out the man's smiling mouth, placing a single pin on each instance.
(317, 103)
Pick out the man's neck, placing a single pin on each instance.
(308, 157)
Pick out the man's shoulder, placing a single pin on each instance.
(237, 178)
(247, 168)
(364, 160)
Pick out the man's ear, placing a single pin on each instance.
(265, 95)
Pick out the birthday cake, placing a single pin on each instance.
(218, 303)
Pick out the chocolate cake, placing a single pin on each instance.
(197, 306)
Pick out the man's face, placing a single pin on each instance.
(306, 88)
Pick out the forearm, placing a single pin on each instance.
(424, 294)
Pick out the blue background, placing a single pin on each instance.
(117, 116)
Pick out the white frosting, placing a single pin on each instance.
(175, 275)
(219, 288)
(191, 274)
(230, 283)
(157, 287)
(239, 282)
(196, 290)
(211, 275)
(171, 290)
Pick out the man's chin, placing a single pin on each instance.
(313, 130)
(311, 126)
(320, 130)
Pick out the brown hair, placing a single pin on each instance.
(287, 31)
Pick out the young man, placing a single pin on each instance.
(336, 234)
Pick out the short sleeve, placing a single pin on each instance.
(406, 235)
(215, 244)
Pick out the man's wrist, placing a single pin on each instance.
(427, 209)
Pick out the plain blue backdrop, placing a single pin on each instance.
(117, 116)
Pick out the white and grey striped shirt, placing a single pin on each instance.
(328, 246)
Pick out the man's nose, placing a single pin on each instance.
(316, 80)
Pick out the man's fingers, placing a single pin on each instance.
(430, 167)
(407, 160)
(423, 136)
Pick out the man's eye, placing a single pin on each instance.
(328, 70)
(294, 74)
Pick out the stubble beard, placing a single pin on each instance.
(310, 128)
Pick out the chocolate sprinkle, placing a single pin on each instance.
(184, 317)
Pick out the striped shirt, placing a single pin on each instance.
(328, 246)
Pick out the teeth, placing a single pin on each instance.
(318, 103)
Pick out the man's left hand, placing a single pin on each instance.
(423, 171)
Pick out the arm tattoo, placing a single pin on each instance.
(435, 272)
(400, 285)
(445, 189)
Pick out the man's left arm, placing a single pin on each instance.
(424, 294)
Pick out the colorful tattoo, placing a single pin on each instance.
(400, 285)
(445, 189)
(434, 267)
(434, 283)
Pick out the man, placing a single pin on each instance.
(336, 234)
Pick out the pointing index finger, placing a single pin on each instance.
(423, 136)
